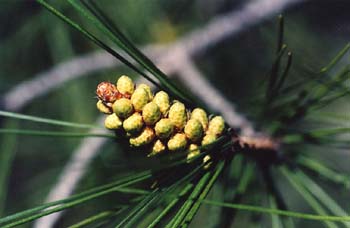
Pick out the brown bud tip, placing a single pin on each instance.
(107, 92)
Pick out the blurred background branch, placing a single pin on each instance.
(217, 30)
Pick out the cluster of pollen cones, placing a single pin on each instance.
(154, 121)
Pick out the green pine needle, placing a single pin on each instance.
(171, 205)
(321, 195)
(302, 189)
(336, 59)
(324, 171)
(54, 133)
(100, 216)
(291, 214)
(203, 195)
(46, 120)
(34, 213)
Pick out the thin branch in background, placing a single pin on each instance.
(47, 81)
(190, 76)
(224, 26)
(219, 29)
(72, 173)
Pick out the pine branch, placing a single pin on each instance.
(194, 43)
